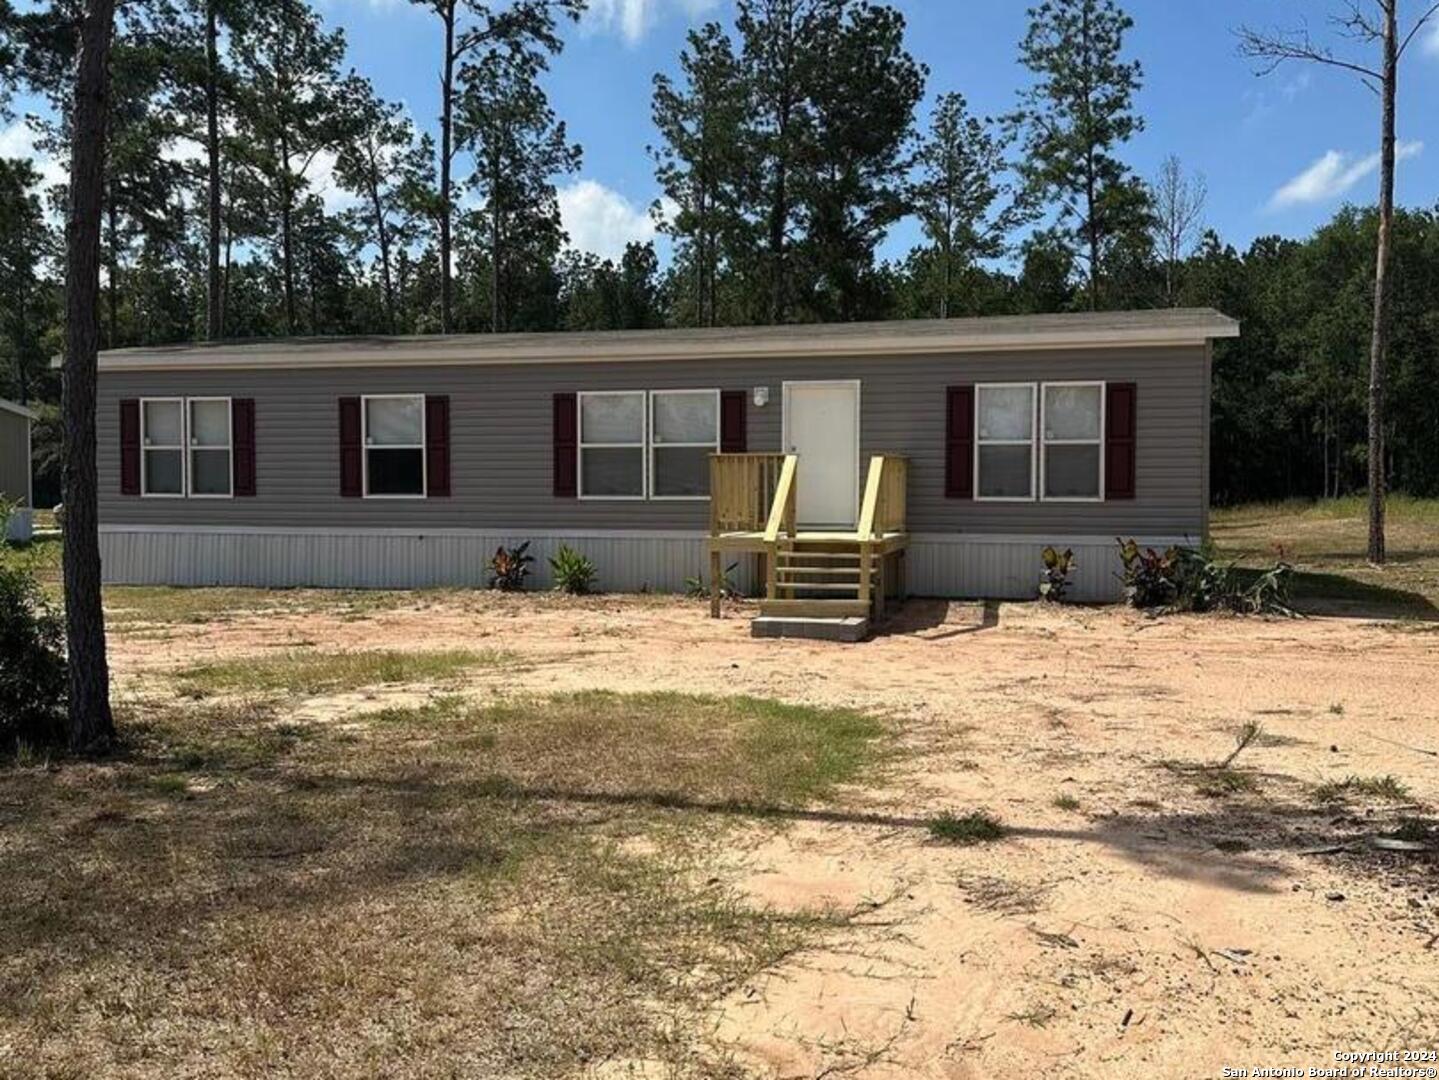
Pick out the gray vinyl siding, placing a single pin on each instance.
(501, 441)
(14, 456)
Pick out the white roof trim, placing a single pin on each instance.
(18, 410)
(1010, 334)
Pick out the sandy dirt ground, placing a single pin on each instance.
(1139, 927)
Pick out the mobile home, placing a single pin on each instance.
(404, 462)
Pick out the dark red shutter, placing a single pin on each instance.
(130, 446)
(437, 446)
(734, 436)
(959, 443)
(1120, 440)
(352, 465)
(567, 445)
(242, 423)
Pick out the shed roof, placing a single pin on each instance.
(1114, 329)
(19, 410)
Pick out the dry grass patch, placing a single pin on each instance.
(676, 749)
(1327, 542)
(313, 672)
(1386, 788)
(433, 893)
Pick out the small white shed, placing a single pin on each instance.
(16, 476)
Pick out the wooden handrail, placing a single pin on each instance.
(883, 509)
(781, 512)
(742, 489)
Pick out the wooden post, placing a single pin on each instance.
(715, 582)
(866, 557)
(771, 589)
(880, 591)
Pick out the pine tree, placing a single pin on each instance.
(470, 26)
(863, 91)
(505, 120)
(1074, 120)
(290, 112)
(961, 197)
(383, 163)
(698, 164)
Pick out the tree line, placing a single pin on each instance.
(788, 142)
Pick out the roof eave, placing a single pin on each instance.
(18, 410)
(631, 351)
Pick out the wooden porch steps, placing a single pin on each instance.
(819, 584)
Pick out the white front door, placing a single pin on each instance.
(821, 425)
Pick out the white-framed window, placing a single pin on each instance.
(1072, 441)
(210, 463)
(612, 444)
(1004, 424)
(162, 448)
(393, 433)
(684, 432)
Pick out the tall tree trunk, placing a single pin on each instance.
(382, 237)
(214, 310)
(447, 121)
(1379, 341)
(287, 234)
(112, 284)
(778, 222)
(496, 323)
(91, 724)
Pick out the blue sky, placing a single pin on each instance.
(1279, 153)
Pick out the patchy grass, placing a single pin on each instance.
(1388, 788)
(134, 607)
(975, 828)
(1327, 542)
(1214, 781)
(663, 749)
(130, 608)
(1066, 802)
(41, 558)
(306, 672)
(232, 882)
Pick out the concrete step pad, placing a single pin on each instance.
(847, 629)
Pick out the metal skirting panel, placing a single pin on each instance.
(379, 560)
(999, 567)
(1009, 567)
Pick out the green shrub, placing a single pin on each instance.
(32, 665)
(1188, 579)
(1054, 582)
(572, 571)
(509, 567)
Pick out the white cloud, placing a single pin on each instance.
(18, 141)
(1332, 175)
(321, 178)
(632, 19)
(602, 221)
(1431, 40)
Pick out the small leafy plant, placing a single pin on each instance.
(1149, 577)
(697, 588)
(573, 572)
(509, 567)
(1054, 582)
